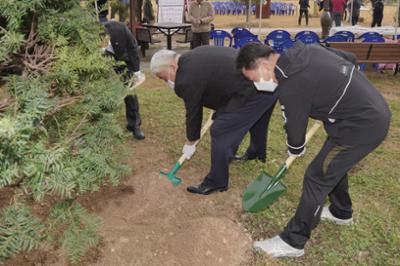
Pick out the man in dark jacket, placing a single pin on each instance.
(324, 85)
(377, 14)
(123, 47)
(207, 77)
(304, 5)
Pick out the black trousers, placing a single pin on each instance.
(200, 38)
(377, 19)
(305, 12)
(131, 101)
(229, 129)
(325, 176)
(132, 112)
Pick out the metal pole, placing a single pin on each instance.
(260, 19)
(351, 12)
(397, 20)
(248, 14)
(97, 10)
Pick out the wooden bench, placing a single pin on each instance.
(144, 38)
(366, 52)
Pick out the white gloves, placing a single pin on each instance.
(299, 154)
(188, 150)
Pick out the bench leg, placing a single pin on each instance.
(143, 50)
(396, 70)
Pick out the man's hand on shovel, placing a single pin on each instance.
(189, 149)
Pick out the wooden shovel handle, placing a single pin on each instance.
(309, 135)
(203, 131)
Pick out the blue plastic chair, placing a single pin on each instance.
(374, 39)
(241, 33)
(238, 30)
(219, 36)
(370, 34)
(307, 37)
(336, 38)
(246, 40)
(347, 34)
(398, 37)
(287, 44)
(276, 38)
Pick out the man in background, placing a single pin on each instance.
(337, 11)
(304, 5)
(123, 47)
(201, 13)
(377, 14)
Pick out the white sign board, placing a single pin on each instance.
(170, 11)
(170, 14)
(170, 2)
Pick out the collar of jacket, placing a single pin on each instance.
(292, 61)
(281, 65)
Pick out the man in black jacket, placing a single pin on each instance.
(207, 77)
(304, 5)
(124, 48)
(323, 84)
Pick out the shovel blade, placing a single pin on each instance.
(257, 197)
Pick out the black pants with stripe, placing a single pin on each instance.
(229, 129)
(326, 176)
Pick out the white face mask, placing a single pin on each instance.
(171, 84)
(265, 85)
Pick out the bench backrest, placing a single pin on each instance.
(371, 52)
(143, 35)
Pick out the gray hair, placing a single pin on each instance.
(161, 60)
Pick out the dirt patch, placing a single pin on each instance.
(6, 195)
(33, 258)
(97, 201)
(163, 225)
(147, 221)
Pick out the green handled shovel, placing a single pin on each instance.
(266, 188)
(171, 175)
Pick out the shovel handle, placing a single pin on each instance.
(309, 135)
(203, 131)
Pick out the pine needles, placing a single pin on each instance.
(59, 129)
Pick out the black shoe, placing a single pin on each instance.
(205, 190)
(138, 133)
(247, 157)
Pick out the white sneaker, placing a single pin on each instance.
(327, 215)
(276, 247)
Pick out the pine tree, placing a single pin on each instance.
(58, 119)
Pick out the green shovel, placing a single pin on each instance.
(171, 175)
(266, 188)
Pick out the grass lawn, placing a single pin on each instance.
(374, 183)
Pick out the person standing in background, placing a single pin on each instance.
(304, 5)
(201, 13)
(123, 47)
(377, 6)
(337, 11)
(355, 11)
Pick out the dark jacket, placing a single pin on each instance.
(304, 4)
(323, 84)
(123, 43)
(207, 76)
